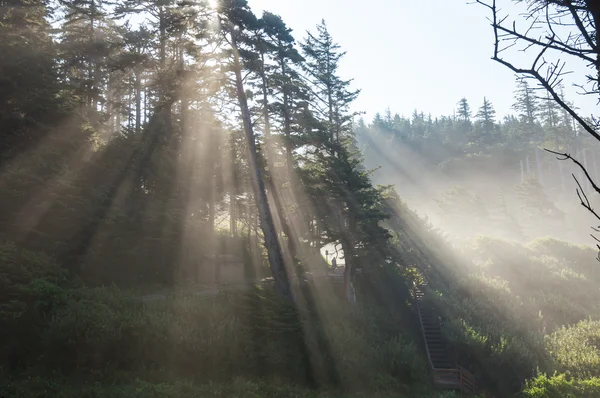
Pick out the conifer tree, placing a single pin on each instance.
(30, 99)
(464, 111)
(349, 207)
(526, 103)
(486, 121)
(333, 95)
(238, 25)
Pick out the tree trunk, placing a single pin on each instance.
(145, 104)
(138, 102)
(348, 268)
(538, 163)
(348, 248)
(233, 192)
(287, 122)
(162, 91)
(266, 219)
(594, 7)
(271, 183)
(129, 100)
(562, 177)
(522, 172)
(232, 214)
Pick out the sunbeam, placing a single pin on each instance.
(194, 201)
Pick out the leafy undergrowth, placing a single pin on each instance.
(36, 387)
(521, 311)
(559, 386)
(575, 349)
(113, 337)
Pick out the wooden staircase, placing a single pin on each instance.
(446, 373)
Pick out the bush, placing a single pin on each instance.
(31, 287)
(255, 334)
(37, 387)
(559, 386)
(576, 349)
(20, 267)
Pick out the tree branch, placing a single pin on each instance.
(566, 156)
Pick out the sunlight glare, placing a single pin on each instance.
(213, 4)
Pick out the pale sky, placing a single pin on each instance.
(411, 54)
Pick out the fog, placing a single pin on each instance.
(516, 194)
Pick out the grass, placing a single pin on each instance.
(36, 387)
(504, 315)
(113, 337)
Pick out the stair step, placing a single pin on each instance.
(448, 383)
(450, 376)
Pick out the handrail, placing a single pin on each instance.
(423, 331)
(466, 381)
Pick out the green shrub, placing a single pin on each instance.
(31, 287)
(254, 334)
(20, 267)
(38, 387)
(576, 349)
(559, 386)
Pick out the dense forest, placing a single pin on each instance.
(190, 206)
(531, 194)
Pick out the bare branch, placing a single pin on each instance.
(579, 24)
(565, 156)
(533, 72)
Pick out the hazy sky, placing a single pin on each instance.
(410, 54)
